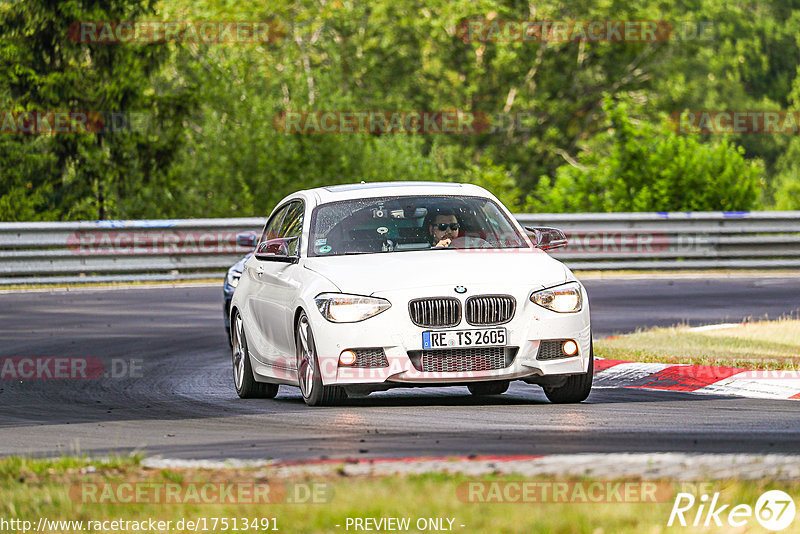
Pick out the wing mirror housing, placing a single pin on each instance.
(276, 250)
(546, 238)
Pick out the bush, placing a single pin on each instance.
(637, 166)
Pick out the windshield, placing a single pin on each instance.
(396, 224)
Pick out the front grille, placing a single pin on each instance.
(370, 358)
(461, 360)
(490, 309)
(435, 312)
(551, 350)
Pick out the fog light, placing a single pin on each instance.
(570, 348)
(347, 357)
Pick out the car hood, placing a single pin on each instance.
(365, 274)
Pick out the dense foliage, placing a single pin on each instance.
(98, 174)
(575, 125)
(641, 167)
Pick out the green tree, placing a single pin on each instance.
(93, 174)
(637, 166)
(210, 146)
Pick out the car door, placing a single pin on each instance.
(260, 345)
(275, 287)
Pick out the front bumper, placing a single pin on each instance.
(394, 333)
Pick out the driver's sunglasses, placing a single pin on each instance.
(443, 226)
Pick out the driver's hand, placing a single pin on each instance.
(443, 243)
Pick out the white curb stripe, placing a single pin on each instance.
(627, 374)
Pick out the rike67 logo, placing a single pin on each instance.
(774, 510)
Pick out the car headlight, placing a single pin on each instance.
(562, 299)
(343, 308)
(233, 278)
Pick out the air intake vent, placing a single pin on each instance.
(462, 360)
(370, 358)
(550, 349)
(435, 312)
(490, 309)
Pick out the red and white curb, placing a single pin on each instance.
(705, 379)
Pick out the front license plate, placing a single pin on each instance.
(458, 339)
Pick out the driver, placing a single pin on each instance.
(443, 228)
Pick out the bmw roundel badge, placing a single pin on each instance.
(461, 289)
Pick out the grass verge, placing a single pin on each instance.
(56, 490)
(757, 345)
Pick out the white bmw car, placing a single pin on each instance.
(365, 287)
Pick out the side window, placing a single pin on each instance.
(292, 226)
(273, 225)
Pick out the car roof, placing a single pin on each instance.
(333, 193)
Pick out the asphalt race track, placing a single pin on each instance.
(180, 403)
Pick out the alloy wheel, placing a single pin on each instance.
(305, 358)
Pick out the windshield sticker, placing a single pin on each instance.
(325, 249)
(320, 242)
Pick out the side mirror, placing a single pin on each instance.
(546, 238)
(246, 239)
(276, 250)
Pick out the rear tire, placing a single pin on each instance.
(576, 388)
(480, 389)
(309, 377)
(243, 379)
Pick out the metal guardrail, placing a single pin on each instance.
(196, 248)
(106, 251)
(677, 240)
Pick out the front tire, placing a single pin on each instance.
(481, 389)
(309, 376)
(243, 379)
(576, 388)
